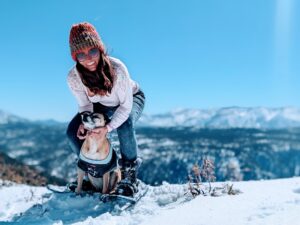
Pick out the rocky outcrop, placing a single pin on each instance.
(12, 170)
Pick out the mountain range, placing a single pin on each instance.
(169, 150)
(228, 117)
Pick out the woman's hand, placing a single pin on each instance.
(81, 132)
(102, 131)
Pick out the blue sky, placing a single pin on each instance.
(184, 54)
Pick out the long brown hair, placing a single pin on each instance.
(100, 81)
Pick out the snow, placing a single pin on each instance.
(16, 199)
(6, 117)
(270, 202)
(227, 117)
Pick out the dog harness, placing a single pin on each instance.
(97, 168)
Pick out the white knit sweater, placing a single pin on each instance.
(121, 95)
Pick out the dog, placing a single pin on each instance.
(97, 158)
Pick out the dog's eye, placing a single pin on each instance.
(95, 116)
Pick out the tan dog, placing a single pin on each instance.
(97, 159)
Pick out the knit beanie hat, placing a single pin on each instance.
(83, 35)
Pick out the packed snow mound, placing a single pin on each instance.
(272, 202)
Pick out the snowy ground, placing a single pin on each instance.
(272, 202)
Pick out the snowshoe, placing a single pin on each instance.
(87, 187)
(124, 202)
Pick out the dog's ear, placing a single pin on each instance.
(106, 119)
(98, 119)
(84, 115)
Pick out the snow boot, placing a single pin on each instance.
(128, 186)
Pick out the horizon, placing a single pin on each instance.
(163, 113)
(194, 55)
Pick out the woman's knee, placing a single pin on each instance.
(73, 126)
(71, 133)
(127, 125)
(137, 108)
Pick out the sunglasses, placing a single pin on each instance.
(92, 53)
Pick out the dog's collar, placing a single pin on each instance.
(98, 162)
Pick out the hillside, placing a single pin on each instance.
(12, 170)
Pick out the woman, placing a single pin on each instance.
(102, 84)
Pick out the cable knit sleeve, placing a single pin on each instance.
(125, 95)
(77, 90)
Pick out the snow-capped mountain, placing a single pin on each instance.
(238, 153)
(227, 117)
(230, 117)
(273, 202)
(6, 117)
